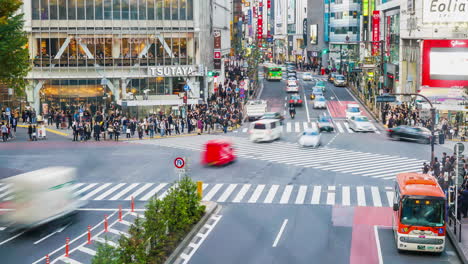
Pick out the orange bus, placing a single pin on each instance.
(419, 213)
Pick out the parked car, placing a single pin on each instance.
(418, 134)
(339, 81)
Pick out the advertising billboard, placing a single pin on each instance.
(314, 34)
(291, 11)
(445, 11)
(445, 63)
(375, 32)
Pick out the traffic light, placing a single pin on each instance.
(210, 74)
(185, 99)
(215, 74)
(325, 51)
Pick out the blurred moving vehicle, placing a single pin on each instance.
(273, 115)
(292, 74)
(218, 152)
(256, 109)
(292, 88)
(320, 102)
(310, 138)
(307, 76)
(265, 130)
(295, 99)
(273, 73)
(321, 85)
(40, 197)
(418, 134)
(361, 124)
(292, 81)
(352, 110)
(316, 91)
(331, 77)
(325, 123)
(339, 81)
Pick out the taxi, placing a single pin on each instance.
(316, 91)
(218, 152)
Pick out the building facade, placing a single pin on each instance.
(434, 54)
(125, 52)
(317, 41)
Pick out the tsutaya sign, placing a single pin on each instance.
(445, 11)
(169, 71)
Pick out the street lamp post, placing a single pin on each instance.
(433, 114)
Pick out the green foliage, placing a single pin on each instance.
(105, 254)
(14, 57)
(165, 224)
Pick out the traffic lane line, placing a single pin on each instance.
(280, 233)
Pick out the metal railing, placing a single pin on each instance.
(456, 225)
(48, 62)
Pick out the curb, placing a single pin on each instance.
(458, 249)
(211, 208)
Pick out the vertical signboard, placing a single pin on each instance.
(375, 32)
(217, 49)
(313, 34)
(326, 27)
(291, 11)
(389, 34)
(365, 7)
(304, 31)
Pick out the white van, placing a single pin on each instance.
(40, 196)
(265, 130)
(352, 110)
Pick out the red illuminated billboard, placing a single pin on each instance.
(445, 63)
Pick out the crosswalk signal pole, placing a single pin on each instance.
(457, 153)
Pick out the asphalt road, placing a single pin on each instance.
(315, 196)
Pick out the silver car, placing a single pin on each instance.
(310, 138)
(361, 124)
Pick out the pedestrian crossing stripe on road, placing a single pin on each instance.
(297, 127)
(250, 193)
(329, 159)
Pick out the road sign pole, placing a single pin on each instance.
(457, 153)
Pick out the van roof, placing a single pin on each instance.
(419, 184)
(265, 121)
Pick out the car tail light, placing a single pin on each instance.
(389, 130)
(291, 101)
(300, 101)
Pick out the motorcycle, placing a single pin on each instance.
(292, 113)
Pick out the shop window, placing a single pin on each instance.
(53, 9)
(167, 9)
(116, 9)
(183, 9)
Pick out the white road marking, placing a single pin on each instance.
(86, 188)
(11, 238)
(87, 251)
(168, 189)
(347, 128)
(338, 126)
(406, 169)
(306, 105)
(227, 193)
(316, 194)
(377, 240)
(256, 194)
(376, 196)
(109, 192)
(138, 192)
(108, 242)
(95, 191)
(278, 236)
(390, 195)
(69, 260)
(306, 125)
(153, 192)
(51, 234)
(241, 193)
(345, 196)
(286, 194)
(73, 187)
(212, 192)
(301, 194)
(271, 194)
(297, 127)
(331, 197)
(361, 197)
(123, 192)
(288, 127)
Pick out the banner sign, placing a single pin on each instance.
(304, 31)
(375, 32)
(445, 11)
(313, 34)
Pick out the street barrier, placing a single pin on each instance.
(105, 223)
(133, 205)
(67, 247)
(200, 189)
(120, 213)
(89, 235)
(47, 259)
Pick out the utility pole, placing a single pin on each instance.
(341, 59)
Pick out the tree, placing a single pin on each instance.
(14, 58)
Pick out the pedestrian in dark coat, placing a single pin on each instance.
(97, 132)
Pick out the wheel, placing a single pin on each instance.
(395, 137)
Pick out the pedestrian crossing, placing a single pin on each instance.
(247, 193)
(340, 126)
(328, 159)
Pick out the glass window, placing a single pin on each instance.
(116, 9)
(99, 9)
(44, 9)
(175, 9)
(259, 126)
(422, 212)
(36, 10)
(125, 9)
(89, 9)
(81, 9)
(142, 9)
(151, 9)
(167, 9)
(53, 9)
(108, 9)
(159, 9)
(134, 9)
(72, 9)
(183, 9)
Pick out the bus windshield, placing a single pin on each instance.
(422, 212)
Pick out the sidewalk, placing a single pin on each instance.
(461, 246)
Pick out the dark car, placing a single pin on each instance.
(418, 134)
(295, 99)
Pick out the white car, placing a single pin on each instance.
(292, 88)
(292, 81)
(361, 124)
(320, 102)
(265, 130)
(310, 138)
(307, 76)
(352, 110)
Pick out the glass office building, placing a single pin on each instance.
(98, 51)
